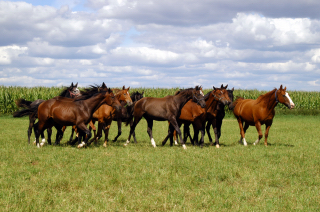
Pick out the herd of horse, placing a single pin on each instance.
(187, 106)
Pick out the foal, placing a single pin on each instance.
(260, 111)
(166, 108)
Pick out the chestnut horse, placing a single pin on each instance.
(260, 111)
(105, 114)
(61, 111)
(69, 92)
(166, 108)
(192, 113)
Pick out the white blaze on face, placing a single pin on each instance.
(290, 100)
(201, 92)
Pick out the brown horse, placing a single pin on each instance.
(192, 113)
(61, 111)
(260, 111)
(70, 92)
(105, 114)
(166, 108)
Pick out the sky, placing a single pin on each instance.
(246, 44)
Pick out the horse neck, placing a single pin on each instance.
(211, 102)
(268, 100)
(182, 98)
(93, 103)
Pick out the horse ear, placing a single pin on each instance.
(232, 89)
(285, 88)
(214, 88)
(280, 87)
(128, 87)
(103, 85)
(72, 84)
(123, 88)
(221, 86)
(76, 85)
(226, 86)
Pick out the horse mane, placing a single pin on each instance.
(207, 96)
(265, 96)
(93, 90)
(186, 90)
(64, 92)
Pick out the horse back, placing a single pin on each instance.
(191, 111)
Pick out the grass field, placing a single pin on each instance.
(284, 176)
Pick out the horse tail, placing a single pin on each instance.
(23, 103)
(27, 111)
(130, 110)
(235, 102)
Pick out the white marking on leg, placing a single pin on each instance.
(127, 142)
(176, 142)
(217, 145)
(256, 142)
(81, 145)
(244, 142)
(184, 146)
(153, 142)
(38, 145)
(105, 144)
(35, 141)
(43, 140)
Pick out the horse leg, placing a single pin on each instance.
(85, 132)
(266, 134)
(59, 134)
(208, 131)
(258, 127)
(92, 127)
(49, 133)
(242, 132)
(106, 131)
(149, 131)
(134, 133)
(119, 122)
(167, 137)
(174, 123)
(132, 128)
(31, 123)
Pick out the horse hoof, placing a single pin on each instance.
(184, 146)
(218, 146)
(81, 145)
(104, 145)
(38, 145)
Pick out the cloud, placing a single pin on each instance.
(151, 43)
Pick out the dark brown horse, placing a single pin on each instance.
(260, 111)
(215, 118)
(166, 108)
(61, 111)
(193, 114)
(105, 114)
(127, 113)
(70, 92)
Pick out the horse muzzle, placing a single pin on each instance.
(291, 106)
(118, 108)
(129, 103)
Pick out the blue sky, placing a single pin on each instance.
(147, 43)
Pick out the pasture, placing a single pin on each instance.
(284, 176)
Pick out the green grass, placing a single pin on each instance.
(284, 176)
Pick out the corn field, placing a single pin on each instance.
(305, 102)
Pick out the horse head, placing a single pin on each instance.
(124, 95)
(198, 97)
(111, 100)
(137, 96)
(221, 94)
(283, 97)
(73, 90)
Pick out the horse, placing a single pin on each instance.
(105, 114)
(259, 112)
(126, 113)
(192, 113)
(70, 92)
(216, 121)
(61, 111)
(166, 108)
